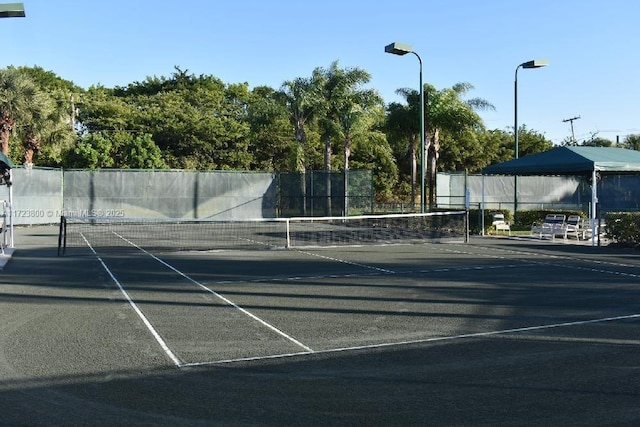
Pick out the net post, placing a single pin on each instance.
(62, 236)
(467, 227)
(288, 233)
(467, 208)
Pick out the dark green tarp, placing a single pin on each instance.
(571, 161)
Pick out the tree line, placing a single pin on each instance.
(329, 121)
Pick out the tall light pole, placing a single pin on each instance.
(11, 10)
(535, 63)
(403, 49)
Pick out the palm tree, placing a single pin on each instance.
(44, 120)
(17, 96)
(49, 127)
(300, 98)
(403, 127)
(446, 112)
(347, 105)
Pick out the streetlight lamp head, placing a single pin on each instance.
(12, 10)
(398, 48)
(536, 63)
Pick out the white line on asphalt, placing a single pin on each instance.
(226, 300)
(424, 341)
(135, 307)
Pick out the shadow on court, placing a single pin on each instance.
(496, 332)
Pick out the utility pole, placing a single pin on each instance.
(573, 137)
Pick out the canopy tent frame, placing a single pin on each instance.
(6, 165)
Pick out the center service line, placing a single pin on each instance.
(371, 267)
(228, 301)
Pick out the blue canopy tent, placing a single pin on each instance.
(589, 162)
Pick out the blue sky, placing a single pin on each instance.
(591, 47)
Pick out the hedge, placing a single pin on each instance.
(623, 228)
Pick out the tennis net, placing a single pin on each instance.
(165, 234)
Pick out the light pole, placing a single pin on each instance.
(11, 10)
(535, 63)
(403, 49)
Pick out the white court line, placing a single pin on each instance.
(423, 341)
(556, 257)
(176, 361)
(226, 300)
(308, 350)
(541, 255)
(372, 274)
(371, 267)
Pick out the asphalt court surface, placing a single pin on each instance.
(495, 331)
(330, 299)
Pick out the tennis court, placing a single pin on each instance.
(494, 331)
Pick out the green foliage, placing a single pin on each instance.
(196, 122)
(272, 143)
(328, 120)
(374, 153)
(631, 142)
(346, 104)
(623, 228)
(140, 152)
(122, 150)
(531, 142)
(593, 141)
(48, 81)
(598, 142)
(18, 92)
(36, 115)
(92, 151)
(403, 133)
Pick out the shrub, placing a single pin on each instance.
(623, 228)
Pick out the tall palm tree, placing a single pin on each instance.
(17, 96)
(300, 98)
(403, 127)
(347, 104)
(51, 125)
(45, 119)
